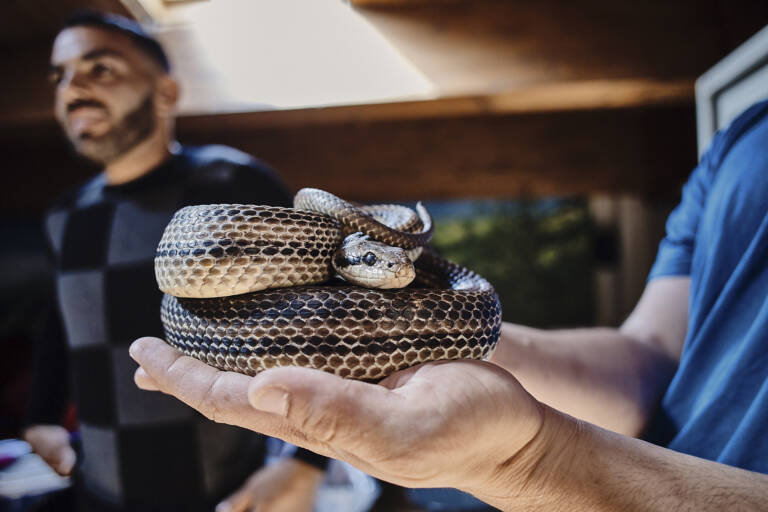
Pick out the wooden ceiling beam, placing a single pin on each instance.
(569, 96)
(552, 97)
(399, 3)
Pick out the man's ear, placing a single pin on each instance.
(166, 95)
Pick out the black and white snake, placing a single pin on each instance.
(241, 292)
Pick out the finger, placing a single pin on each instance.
(144, 381)
(220, 396)
(299, 405)
(398, 379)
(64, 460)
(322, 406)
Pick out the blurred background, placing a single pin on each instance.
(549, 138)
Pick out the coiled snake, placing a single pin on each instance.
(241, 292)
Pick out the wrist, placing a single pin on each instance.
(541, 475)
(514, 347)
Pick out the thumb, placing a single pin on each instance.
(63, 459)
(321, 409)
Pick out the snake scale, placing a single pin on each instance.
(243, 291)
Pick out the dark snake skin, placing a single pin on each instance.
(449, 312)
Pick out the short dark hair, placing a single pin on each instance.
(122, 25)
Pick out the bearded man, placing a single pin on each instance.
(115, 100)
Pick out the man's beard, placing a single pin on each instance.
(133, 128)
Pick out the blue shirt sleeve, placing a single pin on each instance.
(676, 249)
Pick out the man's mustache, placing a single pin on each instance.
(74, 105)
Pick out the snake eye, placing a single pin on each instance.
(369, 258)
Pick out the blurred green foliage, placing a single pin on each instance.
(537, 254)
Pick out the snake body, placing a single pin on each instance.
(241, 292)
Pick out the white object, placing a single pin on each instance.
(731, 86)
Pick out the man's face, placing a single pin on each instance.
(104, 89)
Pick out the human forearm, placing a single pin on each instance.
(574, 466)
(599, 375)
(610, 377)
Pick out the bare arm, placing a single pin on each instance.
(610, 377)
(464, 424)
(586, 468)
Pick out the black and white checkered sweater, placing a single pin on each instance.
(141, 451)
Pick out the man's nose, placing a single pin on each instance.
(72, 86)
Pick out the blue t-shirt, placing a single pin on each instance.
(716, 406)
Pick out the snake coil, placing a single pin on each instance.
(241, 291)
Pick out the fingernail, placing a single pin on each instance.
(272, 399)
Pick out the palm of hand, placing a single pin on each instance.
(438, 424)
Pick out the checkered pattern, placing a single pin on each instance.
(143, 451)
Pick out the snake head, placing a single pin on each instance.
(372, 264)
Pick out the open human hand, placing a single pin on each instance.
(438, 424)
